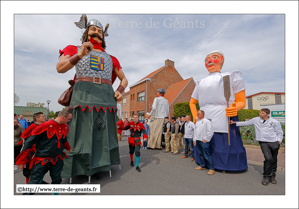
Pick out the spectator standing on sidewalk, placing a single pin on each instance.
(174, 136)
(18, 130)
(269, 134)
(126, 123)
(182, 132)
(23, 122)
(147, 129)
(188, 137)
(166, 132)
(202, 137)
(120, 123)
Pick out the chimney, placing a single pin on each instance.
(169, 63)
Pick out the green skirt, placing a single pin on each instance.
(92, 130)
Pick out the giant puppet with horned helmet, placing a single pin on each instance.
(220, 96)
(92, 134)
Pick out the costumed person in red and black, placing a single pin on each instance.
(136, 129)
(92, 134)
(50, 140)
(38, 119)
(120, 123)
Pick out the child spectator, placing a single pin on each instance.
(147, 129)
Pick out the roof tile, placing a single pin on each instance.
(175, 89)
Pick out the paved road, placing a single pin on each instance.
(166, 174)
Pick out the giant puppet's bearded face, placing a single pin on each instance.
(96, 33)
(213, 62)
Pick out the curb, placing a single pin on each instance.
(281, 149)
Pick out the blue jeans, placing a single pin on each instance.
(189, 142)
(203, 150)
(145, 143)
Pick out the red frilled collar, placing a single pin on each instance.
(52, 127)
(28, 131)
(96, 45)
(136, 126)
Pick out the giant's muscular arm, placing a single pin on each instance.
(192, 105)
(123, 82)
(66, 62)
(238, 105)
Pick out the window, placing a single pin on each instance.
(250, 103)
(277, 99)
(141, 96)
(124, 101)
(141, 115)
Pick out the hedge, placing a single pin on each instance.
(180, 109)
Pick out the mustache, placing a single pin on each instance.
(211, 64)
(96, 35)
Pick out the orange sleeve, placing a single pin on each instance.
(240, 100)
(192, 105)
(238, 105)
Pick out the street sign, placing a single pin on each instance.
(277, 113)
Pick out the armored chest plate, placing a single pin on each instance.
(97, 64)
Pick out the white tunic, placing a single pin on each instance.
(209, 92)
(160, 108)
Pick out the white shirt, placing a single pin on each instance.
(209, 92)
(189, 130)
(160, 108)
(203, 130)
(270, 131)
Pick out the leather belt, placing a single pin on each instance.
(94, 79)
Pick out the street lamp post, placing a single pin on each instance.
(48, 101)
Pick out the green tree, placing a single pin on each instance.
(180, 109)
(51, 114)
(56, 113)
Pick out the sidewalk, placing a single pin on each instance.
(256, 157)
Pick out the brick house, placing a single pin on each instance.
(125, 106)
(142, 93)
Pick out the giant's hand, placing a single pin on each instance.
(231, 111)
(192, 105)
(238, 105)
(66, 62)
(123, 82)
(86, 48)
(118, 96)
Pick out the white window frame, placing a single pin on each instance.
(142, 96)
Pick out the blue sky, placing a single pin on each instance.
(252, 44)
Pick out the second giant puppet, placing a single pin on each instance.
(210, 94)
(92, 130)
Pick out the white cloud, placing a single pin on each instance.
(252, 44)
